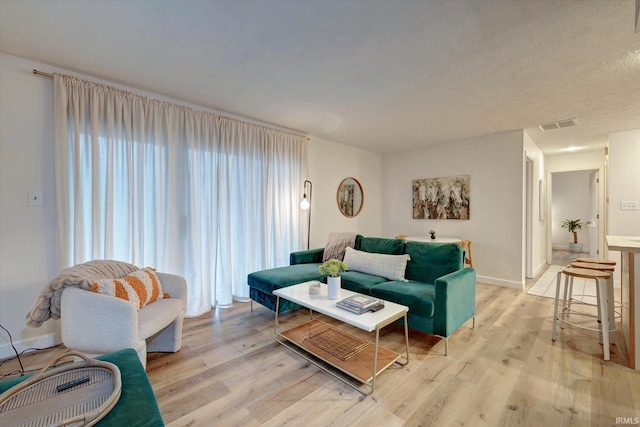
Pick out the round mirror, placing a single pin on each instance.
(350, 197)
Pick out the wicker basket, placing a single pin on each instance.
(76, 394)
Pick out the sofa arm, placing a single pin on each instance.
(97, 323)
(306, 257)
(455, 300)
(175, 286)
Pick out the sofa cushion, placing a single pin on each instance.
(418, 296)
(432, 260)
(379, 245)
(360, 282)
(276, 278)
(140, 288)
(155, 317)
(391, 267)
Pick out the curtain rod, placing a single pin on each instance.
(50, 76)
(40, 73)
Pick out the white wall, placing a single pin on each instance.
(330, 163)
(624, 185)
(624, 182)
(495, 165)
(27, 234)
(570, 201)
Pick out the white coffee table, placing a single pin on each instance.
(353, 356)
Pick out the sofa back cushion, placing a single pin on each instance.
(432, 260)
(379, 245)
(390, 267)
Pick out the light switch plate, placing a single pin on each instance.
(34, 198)
(629, 206)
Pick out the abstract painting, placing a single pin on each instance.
(441, 198)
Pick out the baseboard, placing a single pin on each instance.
(41, 341)
(539, 268)
(500, 282)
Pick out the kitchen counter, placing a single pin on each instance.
(629, 247)
(624, 243)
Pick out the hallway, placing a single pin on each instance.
(560, 257)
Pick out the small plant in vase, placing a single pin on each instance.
(572, 225)
(332, 270)
(433, 234)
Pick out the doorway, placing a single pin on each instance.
(574, 195)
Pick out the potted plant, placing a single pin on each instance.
(572, 225)
(332, 270)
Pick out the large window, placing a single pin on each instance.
(187, 192)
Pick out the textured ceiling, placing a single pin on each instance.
(382, 75)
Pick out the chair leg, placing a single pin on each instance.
(554, 335)
(566, 300)
(567, 281)
(611, 306)
(446, 346)
(567, 303)
(599, 300)
(604, 320)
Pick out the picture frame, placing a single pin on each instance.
(446, 197)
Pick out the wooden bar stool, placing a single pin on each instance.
(605, 262)
(601, 278)
(608, 268)
(596, 261)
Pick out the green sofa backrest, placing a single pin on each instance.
(379, 245)
(428, 260)
(432, 260)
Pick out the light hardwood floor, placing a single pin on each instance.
(506, 372)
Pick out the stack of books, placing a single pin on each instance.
(359, 303)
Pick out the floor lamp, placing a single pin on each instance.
(305, 204)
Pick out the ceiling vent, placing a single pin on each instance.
(558, 125)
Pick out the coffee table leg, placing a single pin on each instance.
(406, 340)
(277, 312)
(375, 359)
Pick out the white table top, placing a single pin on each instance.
(322, 304)
(427, 239)
(624, 243)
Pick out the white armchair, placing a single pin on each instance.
(97, 324)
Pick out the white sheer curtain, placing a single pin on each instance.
(187, 192)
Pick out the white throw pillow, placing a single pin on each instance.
(390, 267)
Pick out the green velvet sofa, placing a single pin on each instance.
(440, 292)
